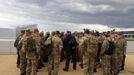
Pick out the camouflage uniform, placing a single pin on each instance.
(22, 52)
(77, 48)
(97, 59)
(123, 55)
(90, 44)
(81, 48)
(16, 45)
(106, 59)
(42, 49)
(37, 39)
(31, 56)
(100, 41)
(117, 57)
(54, 57)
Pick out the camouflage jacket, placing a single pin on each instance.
(22, 44)
(37, 39)
(31, 50)
(57, 45)
(17, 41)
(90, 44)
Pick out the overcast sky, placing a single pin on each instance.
(67, 14)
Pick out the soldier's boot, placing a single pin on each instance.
(39, 67)
(42, 65)
(49, 73)
(81, 65)
(122, 68)
(74, 68)
(74, 65)
(62, 58)
(115, 74)
(66, 66)
(18, 60)
(37, 70)
(111, 72)
(123, 62)
(65, 69)
(118, 71)
(23, 73)
(95, 70)
(18, 66)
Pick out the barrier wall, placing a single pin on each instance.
(130, 46)
(7, 46)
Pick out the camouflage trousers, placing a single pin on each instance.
(106, 64)
(40, 58)
(88, 61)
(117, 62)
(53, 64)
(23, 62)
(31, 67)
(18, 59)
(123, 57)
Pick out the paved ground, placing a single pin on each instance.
(8, 67)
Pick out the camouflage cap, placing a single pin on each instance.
(47, 33)
(36, 30)
(87, 31)
(42, 32)
(68, 31)
(22, 31)
(57, 32)
(120, 33)
(28, 30)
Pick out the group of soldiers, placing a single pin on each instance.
(91, 49)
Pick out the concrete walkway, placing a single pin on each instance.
(8, 67)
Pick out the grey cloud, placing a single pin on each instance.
(108, 12)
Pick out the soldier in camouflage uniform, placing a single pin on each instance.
(90, 43)
(106, 56)
(37, 39)
(81, 49)
(46, 48)
(16, 46)
(31, 55)
(100, 41)
(123, 55)
(62, 52)
(22, 46)
(42, 49)
(54, 57)
(117, 57)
